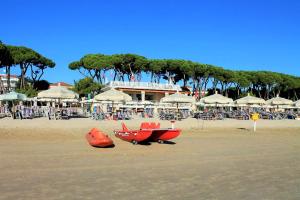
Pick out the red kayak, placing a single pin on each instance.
(98, 139)
(148, 131)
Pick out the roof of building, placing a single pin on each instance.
(5, 75)
(142, 86)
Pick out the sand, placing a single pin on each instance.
(42, 159)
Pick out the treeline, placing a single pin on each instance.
(234, 84)
(30, 63)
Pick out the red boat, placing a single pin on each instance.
(98, 139)
(134, 136)
(161, 135)
(148, 131)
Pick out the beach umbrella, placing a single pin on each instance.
(113, 95)
(13, 96)
(248, 100)
(177, 98)
(216, 99)
(58, 92)
(279, 101)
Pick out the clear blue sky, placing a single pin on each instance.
(235, 34)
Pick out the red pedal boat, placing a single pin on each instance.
(134, 136)
(148, 131)
(98, 139)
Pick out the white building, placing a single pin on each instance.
(141, 91)
(3, 82)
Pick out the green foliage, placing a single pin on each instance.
(86, 86)
(29, 91)
(25, 58)
(5, 57)
(262, 83)
(41, 85)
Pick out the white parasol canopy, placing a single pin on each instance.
(58, 92)
(250, 100)
(279, 101)
(216, 99)
(177, 98)
(113, 95)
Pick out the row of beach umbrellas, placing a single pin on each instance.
(250, 101)
(63, 94)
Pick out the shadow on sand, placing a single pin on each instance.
(107, 147)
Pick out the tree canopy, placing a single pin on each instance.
(24, 58)
(199, 76)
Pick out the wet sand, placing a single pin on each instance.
(43, 159)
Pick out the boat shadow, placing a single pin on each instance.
(145, 143)
(149, 142)
(107, 147)
(169, 142)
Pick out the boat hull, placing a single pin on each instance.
(134, 135)
(98, 139)
(164, 134)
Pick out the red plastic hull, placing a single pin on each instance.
(164, 134)
(98, 139)
(135, 135)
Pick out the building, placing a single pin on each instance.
(63, 84)
(3, 82)
(141, 91)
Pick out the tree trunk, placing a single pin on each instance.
(8, 77)
(295, 94)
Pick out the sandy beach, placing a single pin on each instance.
(42, 159)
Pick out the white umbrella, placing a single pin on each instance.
(216, 99)
(177, 98)
(58, 92)
(113, 95)
(279, 101)
(250, 100)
